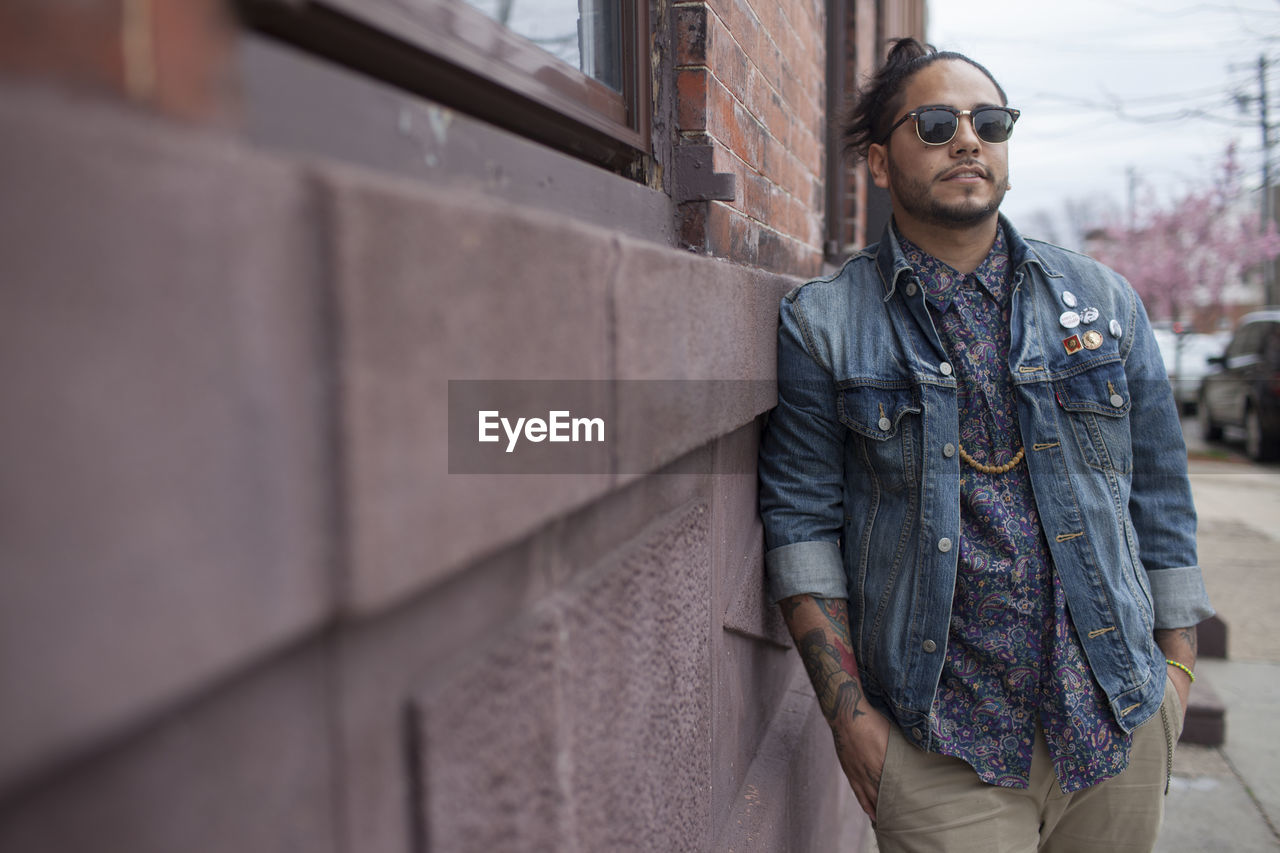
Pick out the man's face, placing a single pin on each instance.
(956, 185)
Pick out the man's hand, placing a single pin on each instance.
(861, 748)
(1179, 644)
(820, 627)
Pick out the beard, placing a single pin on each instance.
(916, 199)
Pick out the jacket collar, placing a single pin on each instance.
(892, 265)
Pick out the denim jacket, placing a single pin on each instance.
(860, 475)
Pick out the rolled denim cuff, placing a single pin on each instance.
(806, 568)
(1179, 597)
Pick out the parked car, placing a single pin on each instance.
(1243, 387)
(1186, 361)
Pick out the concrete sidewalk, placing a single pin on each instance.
(1228, 798)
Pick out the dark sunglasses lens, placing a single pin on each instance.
(936, 126)
(993, 125)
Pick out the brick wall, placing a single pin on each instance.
(750, 82)
(169, 55)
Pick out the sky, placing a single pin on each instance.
(1105, 88)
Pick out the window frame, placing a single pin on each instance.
(456, 55)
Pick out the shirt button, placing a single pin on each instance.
(884, 424)
(911, 288)
(945, 368)
(930, 646)
(948, 450)
(944, 544)
(1117, 400)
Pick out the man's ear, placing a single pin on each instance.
(878, 165)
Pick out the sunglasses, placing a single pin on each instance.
(938, 125)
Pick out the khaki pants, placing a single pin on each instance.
(930, 802)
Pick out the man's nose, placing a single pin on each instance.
(966, 138)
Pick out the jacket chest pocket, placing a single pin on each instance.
(1097, 404)
(884, 423)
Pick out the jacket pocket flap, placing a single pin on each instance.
(875, 412)
(1102, 391)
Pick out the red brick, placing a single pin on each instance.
(719, 230)
(691, 35)
(774, 252)
(806, 149)
(757, 91)
(771, 20)
(818, 199)
(744, 236)
(691, 98)
(792, 89)
(731, 124)
(72, 43)
(773, 160)
(778, 119)
(194, 59)
(725, 160)
(796, 219)
(753, 135)
(177, 58)
(726, 59)
(758, 197)
(785, 171)
(693, 225)
(742, 23)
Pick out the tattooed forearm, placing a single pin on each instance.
(1189, 636)
(836, 611)
(838, 693)
(1179, 644)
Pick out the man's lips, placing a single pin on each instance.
(968, 173)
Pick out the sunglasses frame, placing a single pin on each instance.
(915, 114)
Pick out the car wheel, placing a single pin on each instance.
(1209, 429)
(1259, 445)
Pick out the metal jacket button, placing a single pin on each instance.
(945, 368)
(884, 424)
(1117, 400)
(911, 288)
(930, 646)
(948, 450)
(944, 544)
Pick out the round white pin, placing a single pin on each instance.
(1069, 319)
(1088, 315)
(1115, 329)
(1068, 299)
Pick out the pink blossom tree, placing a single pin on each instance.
(1186, 252)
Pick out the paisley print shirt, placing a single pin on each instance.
(1013, 657)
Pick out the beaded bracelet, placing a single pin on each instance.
(1185, 669)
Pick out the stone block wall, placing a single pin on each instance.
(247, 608)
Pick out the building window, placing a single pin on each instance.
(570, 73)
(586, 35)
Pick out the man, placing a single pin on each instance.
(977, 515)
